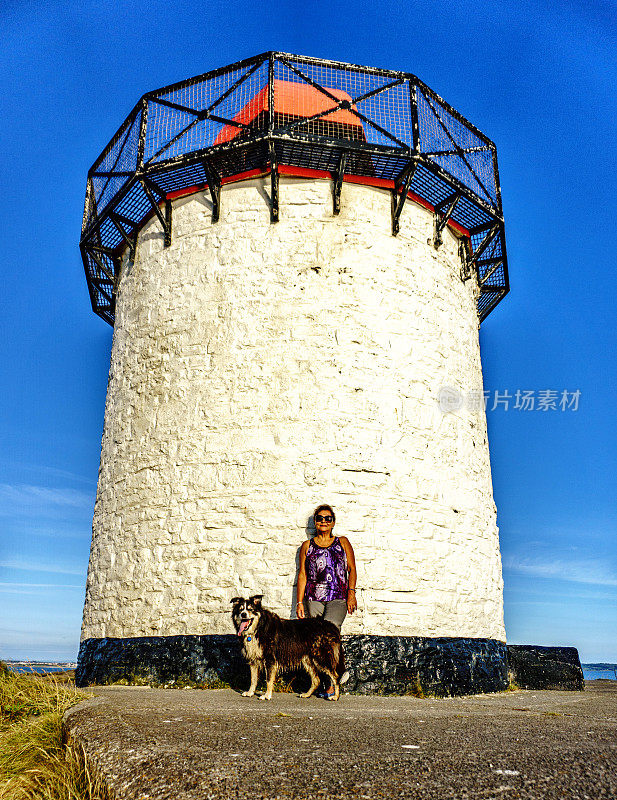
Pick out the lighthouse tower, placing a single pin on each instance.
(295, 255)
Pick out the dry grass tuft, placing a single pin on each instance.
(34, 762)
(28, 695)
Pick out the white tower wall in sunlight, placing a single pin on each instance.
(258, 370)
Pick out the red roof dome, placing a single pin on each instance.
(294, 100)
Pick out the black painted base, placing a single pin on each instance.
(377, 664)
(534, 667)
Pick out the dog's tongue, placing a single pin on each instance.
(243, 626)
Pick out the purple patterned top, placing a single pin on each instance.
(326, 572)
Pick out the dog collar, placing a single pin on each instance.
(248, 638)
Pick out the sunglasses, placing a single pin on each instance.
(319, 518)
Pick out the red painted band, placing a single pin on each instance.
(316, 174)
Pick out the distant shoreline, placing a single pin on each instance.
(591, 672)
(40, 666)
(601, 671)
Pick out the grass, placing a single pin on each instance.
(34, 761)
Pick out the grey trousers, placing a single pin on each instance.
(333, 610)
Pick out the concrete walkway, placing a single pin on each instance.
(156, 743)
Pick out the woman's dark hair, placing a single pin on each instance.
(324, 507)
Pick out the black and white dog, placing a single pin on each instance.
(275, 644)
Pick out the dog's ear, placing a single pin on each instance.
(236, 599)
(256, 600)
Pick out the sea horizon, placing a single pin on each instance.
(602, 670)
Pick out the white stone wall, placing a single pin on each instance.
(258, 370)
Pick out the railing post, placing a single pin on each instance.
(141, 145)
(271, 93)
(497, 184)
(415, 125)
(338, 183)
(274, 184)
(274, 172)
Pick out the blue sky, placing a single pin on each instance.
(537, 77)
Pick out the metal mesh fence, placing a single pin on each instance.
(456, 146)
(212, 107)
(116, 165)
(342, 103)
(303, 112)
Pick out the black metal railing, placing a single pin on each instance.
(278, 109)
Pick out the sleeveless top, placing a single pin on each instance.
(326, 572)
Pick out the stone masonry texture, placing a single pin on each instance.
(258, 370)
(536, 667)
(377, 664)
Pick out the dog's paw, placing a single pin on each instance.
(247, 694)
(265, 697)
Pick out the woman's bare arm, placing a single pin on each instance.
(301, 581)
(352, 603)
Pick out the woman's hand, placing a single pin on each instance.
(352, 603)
(300, 610)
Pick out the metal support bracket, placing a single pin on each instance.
(167, 237)
(399, 193)
(274, 185)
(110, 277)
(463, 253)
(131, 240)
(338, 183)
(164, 220)
(443, 212)
(106, 251)
(103, 291)
(494, 264)
(129, 223)
(490, 235)
(214, 185)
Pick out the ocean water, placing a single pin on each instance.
(39, 668)
(594, 672)
(591, 672)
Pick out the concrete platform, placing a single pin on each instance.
(181, 744)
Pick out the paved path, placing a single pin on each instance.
(181, 744)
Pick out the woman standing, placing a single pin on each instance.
(327, 576)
